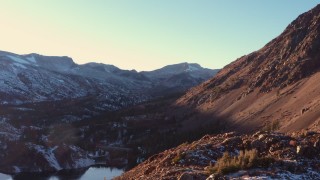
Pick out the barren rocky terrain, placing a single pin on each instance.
(276, 84)
(289, 156)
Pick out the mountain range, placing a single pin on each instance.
(50, 106)
(37, 78)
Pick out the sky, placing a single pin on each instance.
(145, 34)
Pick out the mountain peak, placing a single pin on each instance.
(288, 58)
(180, 67)
(102, 67)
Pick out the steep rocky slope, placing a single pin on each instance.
(276, 84)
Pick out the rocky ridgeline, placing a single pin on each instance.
(288, 58)
(295, 155)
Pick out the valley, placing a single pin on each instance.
(57, 115)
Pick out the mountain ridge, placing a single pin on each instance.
(27, 71)
(255, 86)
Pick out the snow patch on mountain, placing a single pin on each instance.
(8, 131)
(81, 162)
(31, 59)
(192, 68)
(18, 65)
(17, 59)
(48, 155)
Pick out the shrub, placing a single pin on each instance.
(271, 127)
(217, 89)
(178, 157)
(245, 160)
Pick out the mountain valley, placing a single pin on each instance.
(257, 118)
(58, 112)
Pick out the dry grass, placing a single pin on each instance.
(245, 160)
(271, 127)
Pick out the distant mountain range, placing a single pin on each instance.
(36, 78)
(50, 107)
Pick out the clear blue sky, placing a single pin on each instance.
(145, 34)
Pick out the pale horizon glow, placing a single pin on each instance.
(144, 34)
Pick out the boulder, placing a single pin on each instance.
(191, 176)
(259, 145)
(215, 177)
(185, 176)
(232, 142)
(262, 137)
(317, 144)
(246, 144)
(307, 151)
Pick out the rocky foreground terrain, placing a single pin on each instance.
(272, 156)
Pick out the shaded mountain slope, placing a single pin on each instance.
(276, 84)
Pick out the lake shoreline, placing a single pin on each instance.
(79, 173)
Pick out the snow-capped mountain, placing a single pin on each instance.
(178, 77)
(36, 78)
(192, 68)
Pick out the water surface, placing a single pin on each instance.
(92, 173)
(5, 177)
